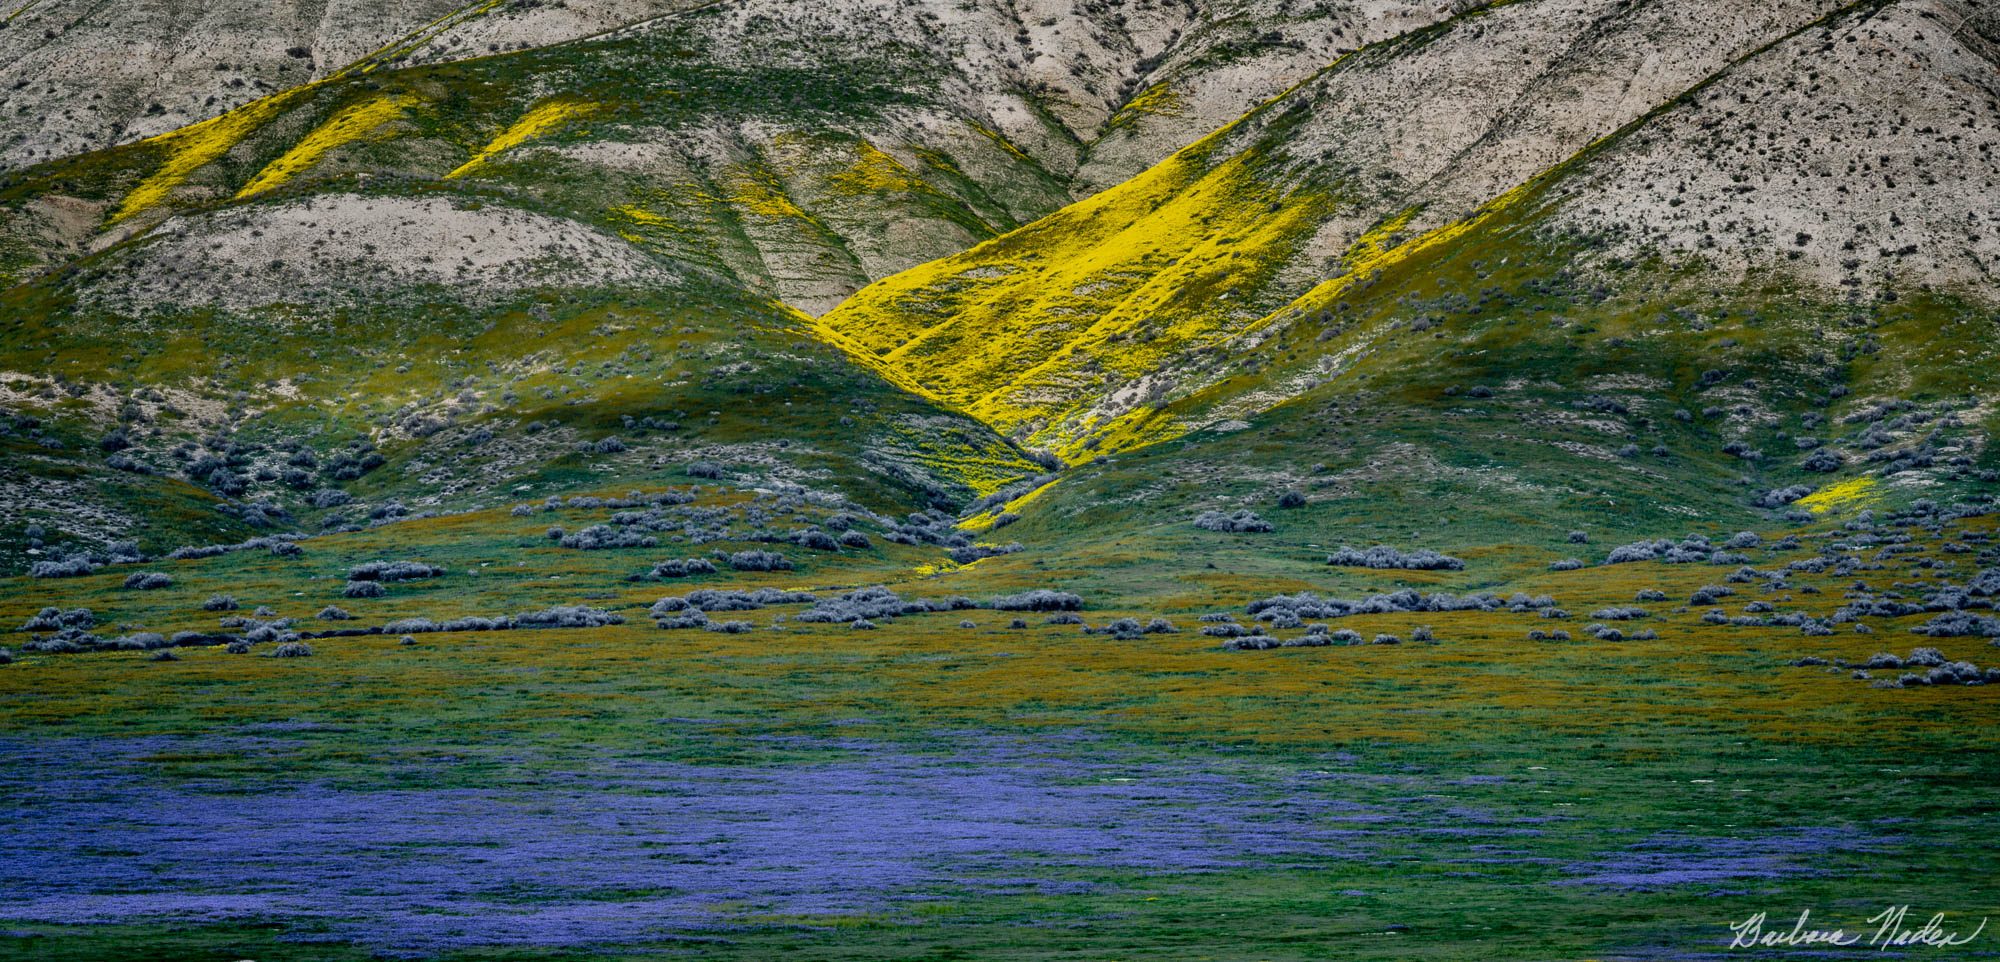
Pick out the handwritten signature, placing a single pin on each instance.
(1890, 929)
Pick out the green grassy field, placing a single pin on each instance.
(1482, 796)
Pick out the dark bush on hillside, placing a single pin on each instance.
(334, 613)
(1017, 623)
(1039, 599)
(292, 649)
(1292, 499)
(1567, 564)
(1710, 595)
(704, 469)
(1579, 537)
(1823, 461)
(127, 464)
(139, 641)
(1062, 618)
(1693, 549)
(393, 571)
(855, 539)
(759, 561)
(1782, 496)
(1242, 521)
(148, 581)
(979, 552)
(730, 627)
(1650, 594)
(75, 566)
(816, 540)
(363, 589)
(690, 618)
(58, 619)
(6, 657)
(1384, 557)
(600, 537)
(331, 498)
(1422, 633)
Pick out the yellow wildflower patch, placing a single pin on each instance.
(545, 117)
(351, 124)
(874, 172)
(763, 199)
(1852, 493)
(1014, 330)
(196, 146)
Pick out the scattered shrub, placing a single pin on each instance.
(1242, 521)
(75, 566)
(1383, 557)
(1039, 599)
(363, 589)
(393, 571)
(600, 537)
(334, 613)
(1710, 595)
(148, 581)
(567, 616)
(759, 561)
(292, 649)
(818, 540)
(1621, 614)
(59, 619)
(977, 552)
(683, 568)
